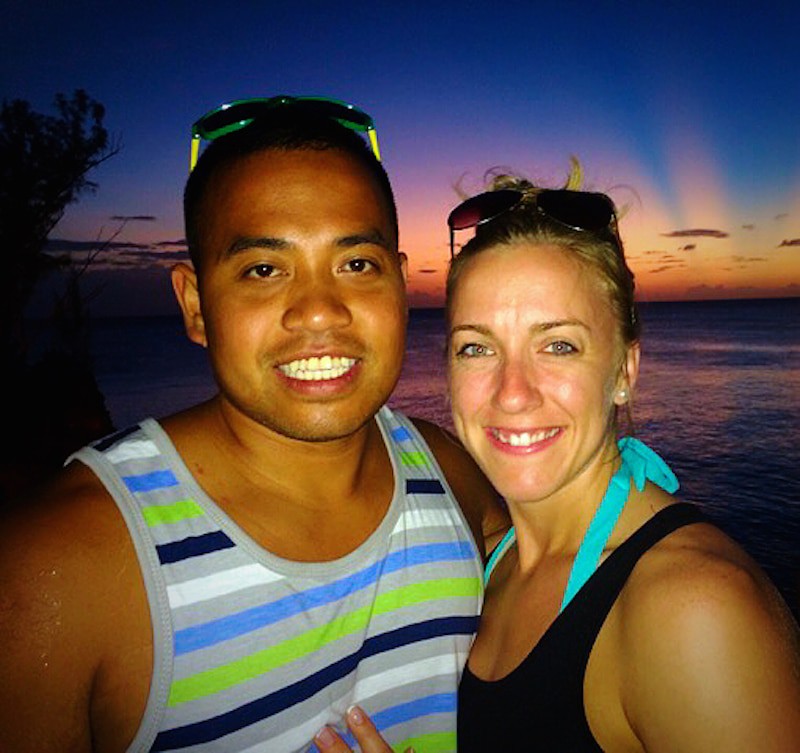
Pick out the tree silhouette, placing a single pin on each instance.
(53, 405)
(44, 163)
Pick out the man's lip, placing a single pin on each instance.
(318, 368)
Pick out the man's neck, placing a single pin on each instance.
(281, 489)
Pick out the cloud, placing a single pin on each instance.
(792, 242)
(120, 254)
(747, 259)
(704, 292)
(688, 247)
(781, 216)
(60, 245)
(134, 217)
(749, 226)
(666, 268)
(180, 242)
(696, 233)
(668, 260)
(153, 253)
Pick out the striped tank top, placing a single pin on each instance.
(255, 653)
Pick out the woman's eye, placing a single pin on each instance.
(473, 350)
(561, 348)
(261, 271)
(358, 265)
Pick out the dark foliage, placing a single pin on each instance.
(53, 406)
(44, 164)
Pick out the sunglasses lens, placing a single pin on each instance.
(221, 121)
(216, 123)
(347, 115)
(482, 208)
(580, 210)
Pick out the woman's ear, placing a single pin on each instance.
(629, 373)
(184, 283)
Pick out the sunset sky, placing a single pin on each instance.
(686, 113)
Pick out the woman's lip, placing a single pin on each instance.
(523, 441)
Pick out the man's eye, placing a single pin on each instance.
(359, 265)
(261, 271)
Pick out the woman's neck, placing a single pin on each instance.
(555, 525)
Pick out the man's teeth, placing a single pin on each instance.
(525, 438)
(317, 369)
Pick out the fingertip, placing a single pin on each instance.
(355, 714)
(324, 738)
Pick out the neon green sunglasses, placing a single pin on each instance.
(235, 115)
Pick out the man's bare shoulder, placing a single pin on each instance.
(479, 501)
(65, 562)
(67, 517)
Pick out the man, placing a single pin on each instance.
(236, 576)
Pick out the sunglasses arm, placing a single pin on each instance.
(194, 152)
(373, 140)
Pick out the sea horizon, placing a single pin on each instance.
(718, 397)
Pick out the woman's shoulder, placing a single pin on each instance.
(697, 603)
(700, 633)
(695, 571)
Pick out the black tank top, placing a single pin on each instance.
(539, 705)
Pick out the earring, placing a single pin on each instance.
(622, 395)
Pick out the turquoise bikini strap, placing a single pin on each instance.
(497, 554)
(639, 464)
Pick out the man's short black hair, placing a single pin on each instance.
(289, 127)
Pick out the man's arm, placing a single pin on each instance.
(59, 579)
(482, 506)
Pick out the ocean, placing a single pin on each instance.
(718, 397)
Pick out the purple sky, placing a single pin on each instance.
(686, 113)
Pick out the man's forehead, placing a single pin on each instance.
(273, 190)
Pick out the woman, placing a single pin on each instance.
(615, 618)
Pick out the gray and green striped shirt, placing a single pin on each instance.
(256, 653)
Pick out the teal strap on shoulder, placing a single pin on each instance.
(639, 464)
(646, 465)
(497, 554)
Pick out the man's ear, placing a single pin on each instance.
(403, 266)
(184, 283)
(629, 374)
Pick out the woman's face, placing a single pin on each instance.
(536, 366)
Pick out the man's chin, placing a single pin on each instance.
(326, 428)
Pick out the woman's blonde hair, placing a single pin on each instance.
(600, 251)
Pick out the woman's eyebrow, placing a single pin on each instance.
(545, 326)
(538, 327)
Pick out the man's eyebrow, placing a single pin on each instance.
(371, 238)
(246, 243)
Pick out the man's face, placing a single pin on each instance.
(302, 292)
